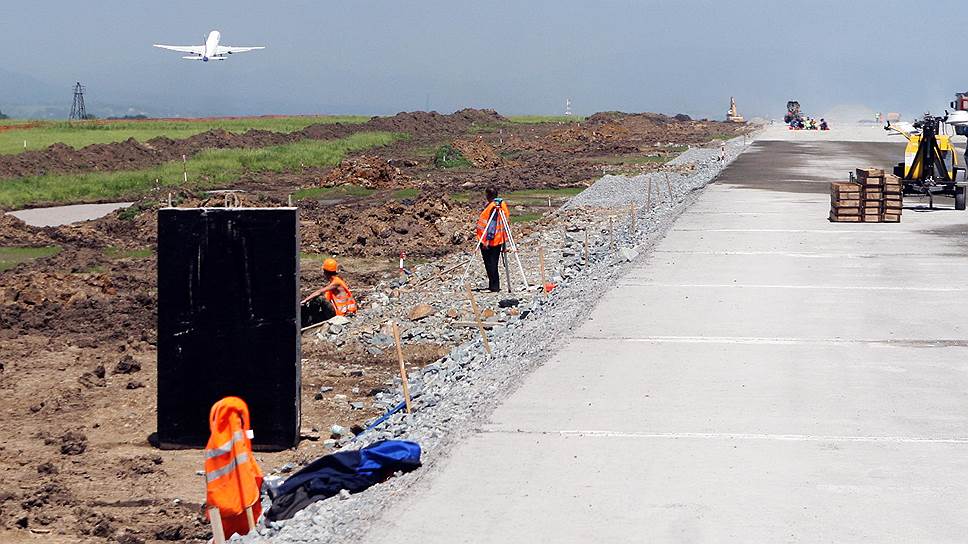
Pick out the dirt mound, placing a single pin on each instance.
(132, 155)
(432, 123)
(478, 152)
(14, 232)
(365, 171)
(40, 287)
(431, 226)
(609, 137)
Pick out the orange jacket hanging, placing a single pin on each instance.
(233, 478)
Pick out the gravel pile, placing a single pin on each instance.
(693, 168)
(453, 395)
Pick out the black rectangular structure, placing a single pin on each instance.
(228, 321)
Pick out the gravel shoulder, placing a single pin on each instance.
(456, 394)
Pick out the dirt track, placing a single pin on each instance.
(78, 329)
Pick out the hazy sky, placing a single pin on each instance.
(377, 57)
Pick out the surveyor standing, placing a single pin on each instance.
(338, 297)
(490, 233)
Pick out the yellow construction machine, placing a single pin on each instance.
(931, 166)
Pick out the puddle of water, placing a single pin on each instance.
(65, 215)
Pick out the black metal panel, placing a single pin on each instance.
(228, 321)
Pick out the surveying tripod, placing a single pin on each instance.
(497, 214)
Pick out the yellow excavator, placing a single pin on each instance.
(931, 166)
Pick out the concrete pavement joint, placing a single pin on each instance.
(842, 232)
(742, 436)
(824, 287)
(791, 254)
(780, 341)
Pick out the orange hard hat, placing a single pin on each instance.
(330, 265)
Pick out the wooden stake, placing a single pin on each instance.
(249, 518)
(632, 215)
(544, 282)
(669, 187)
(648, 193)
(403, 369)
(218, 533)
(477, 317)
(185, 167)
(586, 246)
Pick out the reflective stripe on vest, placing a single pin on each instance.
(342, 299)
(227, 469)
(237, 436)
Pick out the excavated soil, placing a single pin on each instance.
(77, 330)
(132, 155)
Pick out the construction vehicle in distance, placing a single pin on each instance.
(931, 166)
(793, 111)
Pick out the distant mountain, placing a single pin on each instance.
(22, 95)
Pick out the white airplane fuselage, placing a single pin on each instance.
(211, 45)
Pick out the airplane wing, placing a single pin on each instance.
(193, 49)
(224, 49)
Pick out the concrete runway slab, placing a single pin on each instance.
(763, 376)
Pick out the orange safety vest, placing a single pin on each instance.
(342, 298)
(490, 230)
(233, 478)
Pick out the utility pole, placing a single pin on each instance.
(78, 111)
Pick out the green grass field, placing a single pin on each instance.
(213, 168)
(12, 256)
(526, 197)
(82, 133)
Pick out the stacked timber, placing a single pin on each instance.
(875, 197)
(845, 202)
(893, 199)
(872, 194)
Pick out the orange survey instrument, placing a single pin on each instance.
(233, 478)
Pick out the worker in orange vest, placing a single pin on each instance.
(339, 298)
(491, 236)
(233, 479)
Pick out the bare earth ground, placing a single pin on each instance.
(77, 364)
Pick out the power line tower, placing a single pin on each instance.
(78, 111)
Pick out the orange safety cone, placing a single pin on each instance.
(233, 478)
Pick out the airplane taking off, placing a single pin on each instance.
(210, 51)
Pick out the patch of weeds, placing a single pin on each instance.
(340, 191)
(114, 252)
(448, 157)
(406, 194)
(132, 211)
(12, 256)
(525, 217)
